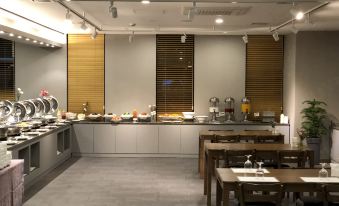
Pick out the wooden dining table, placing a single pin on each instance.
(214, 150)
(228, 181)
(209, 135)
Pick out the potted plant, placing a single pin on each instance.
(312, 126)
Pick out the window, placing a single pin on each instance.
(7, 70)
(174, 73)
(264, 73)
(86, 73)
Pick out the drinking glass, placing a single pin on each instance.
(260, 171)
(248, 163)
(323, 172)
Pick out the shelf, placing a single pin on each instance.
(35, 156)
(24, 154)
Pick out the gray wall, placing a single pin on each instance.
(129, 73)
(219, 70)
(41, 68)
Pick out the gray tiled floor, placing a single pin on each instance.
(121, 181)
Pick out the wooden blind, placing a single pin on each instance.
(86, 73)
(7, 70)
(174, 73)
(264, 73)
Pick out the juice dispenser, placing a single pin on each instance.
(245, 108)
(214, 108)
(229, 109)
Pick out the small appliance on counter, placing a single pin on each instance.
(214, 108)
(229, 109)
(268, 116)
(153, 112)
(245, 108)
(188, 116)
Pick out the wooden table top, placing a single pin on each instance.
(207, 133)
(247, 146)
(283, 175)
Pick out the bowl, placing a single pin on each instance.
(188, 115)
(94, 116)
(201, 118)
(81, 116)
(71, 116)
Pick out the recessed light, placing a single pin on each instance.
(41, 43)
(219, 20)
(299, 15)
(225, 32)
(11, 34)
(234, 2)
(145, 2)
(47, 44)
(19, 37)
(52, 46)
(2, 32)
(181, 58)
(35, 41)
(27, 39)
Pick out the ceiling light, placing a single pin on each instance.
(145, 2)
(219, 20)
(181, 58)
(94, 34)
(19, 37)
(11, 34)
(299, 15)
(27, 39)
(234, 2)
(47, 44)
(83, 25)
(41, 43)
(2, 32)
(183, 38)
(35, 41)
(113, 10)
(68, 19)
(52, 46)
(275, 36)
(245, 38)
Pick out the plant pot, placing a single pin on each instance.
(314, 144)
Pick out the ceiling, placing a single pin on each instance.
(254, 17)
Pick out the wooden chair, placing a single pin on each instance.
(331, 194)
(237, 158)
(216, 136)
(250, 138)
(271, 139)
(294, 159)
(269, 158)
(227, 139)
(260, 194)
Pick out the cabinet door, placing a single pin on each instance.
(190, 139)
(169, 139)
(104, 138)
(83, 138)
(147, 139)
(48, 151)
(126, 139)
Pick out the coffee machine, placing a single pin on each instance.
(229, 109)
(245, 108)
(214, 108)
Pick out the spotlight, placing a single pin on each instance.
(145, 2)
(183, 38)
(131, 37)
(245, 38)
(35, 41)
(296, 12)
(41, 43)
(84, 26)
(192, 11)
(94, 34)
(219, 20)
(299, 15)
(19, 37)
(68, 19)
(52, 46)
(47, 44)
(11, 34)
(2, 32)
(27, 39)
(275, 36)
(113, 10)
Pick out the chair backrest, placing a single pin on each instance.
(227, 139)
(270, 139)
(260, 193)
(331, 193)
(215, 140)
(292, 157)
(237, 158)
(269, 158)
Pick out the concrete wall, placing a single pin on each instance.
(130, 73)
(41, 68)
(219, 70)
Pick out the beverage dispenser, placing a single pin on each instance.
(214, 108)
(229, 109)
(245, 108)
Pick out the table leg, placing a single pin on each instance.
(201, 157)
(210, 169)
(205, 175)
(219, 193)
(225, 196)
(311, 156)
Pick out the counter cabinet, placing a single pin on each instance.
(128, 140)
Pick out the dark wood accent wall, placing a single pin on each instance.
(7, 70)
(174, 74)
(265, 73)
